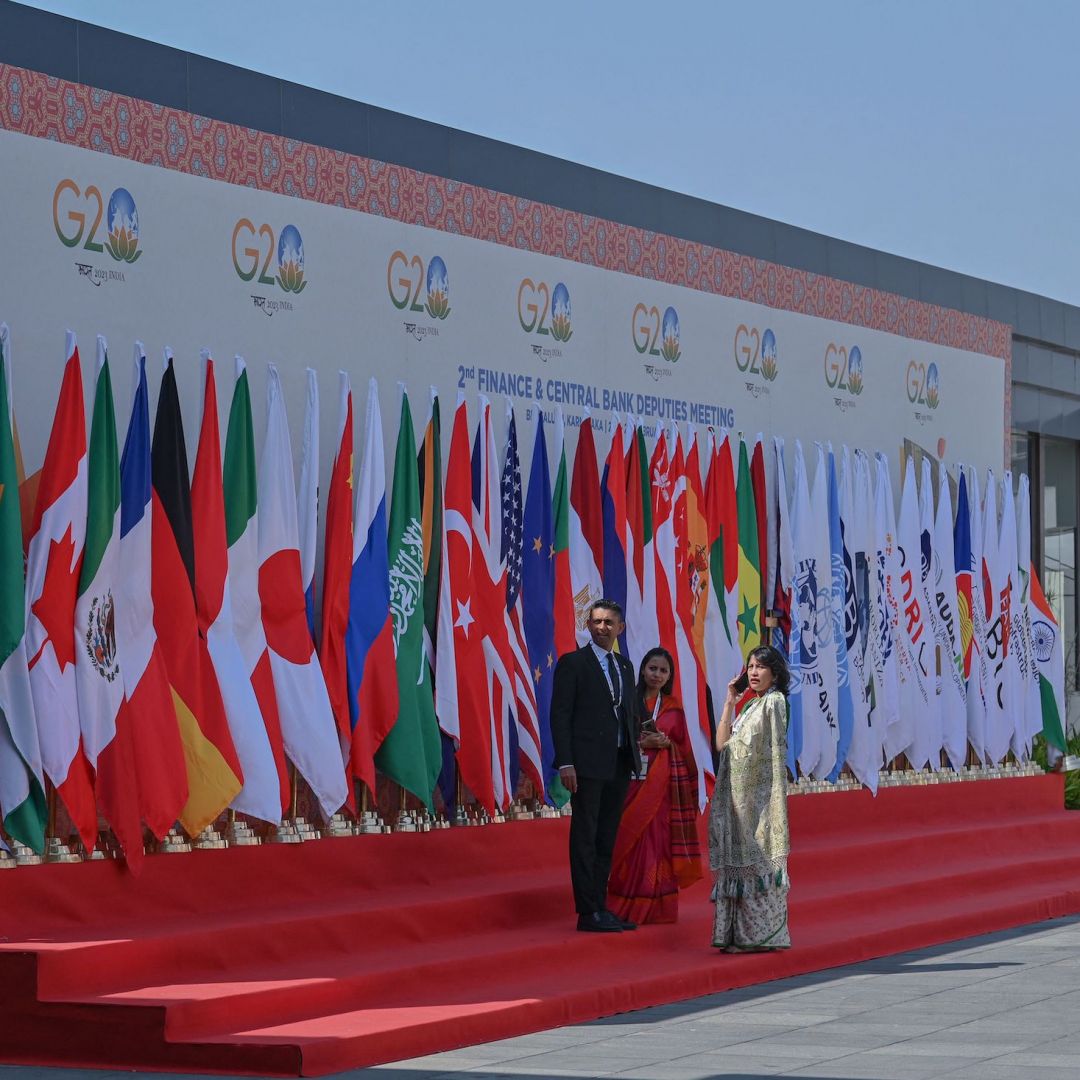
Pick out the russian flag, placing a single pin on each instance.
(369, 640)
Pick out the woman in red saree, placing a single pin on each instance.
(657, 851)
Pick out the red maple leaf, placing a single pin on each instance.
(55, 607)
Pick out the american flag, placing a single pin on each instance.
(528, 729)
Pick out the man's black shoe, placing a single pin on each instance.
(599, 922)
(624, 924)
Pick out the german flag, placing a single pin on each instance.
(214, 774)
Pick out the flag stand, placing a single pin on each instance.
(370, 822)
(405, 820)
(460, 816)
(56, 850)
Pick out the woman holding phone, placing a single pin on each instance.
(748, 822)
(657, 850)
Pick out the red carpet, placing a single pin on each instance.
(351, 952)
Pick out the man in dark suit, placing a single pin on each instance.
(595, 726)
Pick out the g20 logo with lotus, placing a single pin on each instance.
(407, 278)
(844, 368)
(544, 310)
(78, 214)
(254, 248)
(648, 327)
(923, 384)
(757, 353)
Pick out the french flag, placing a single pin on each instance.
(369, 640)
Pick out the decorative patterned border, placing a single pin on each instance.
(79, 115)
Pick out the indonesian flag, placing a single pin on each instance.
(159, 753)
(213, 768)
(242, 536)
(307, 721)
(565, 615)
(586, 531)
(369, 644)
(261, 794)
(337, 569)
(106, 726)
(53, 564)
(460, 686)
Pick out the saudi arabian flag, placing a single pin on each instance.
(22, 791)
(411, 755)
(749, 617)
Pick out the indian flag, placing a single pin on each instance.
(1049, 653)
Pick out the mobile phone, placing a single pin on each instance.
(742, 683)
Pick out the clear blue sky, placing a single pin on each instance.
(944, 130)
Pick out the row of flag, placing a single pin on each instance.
(925, 635)
(164, 657)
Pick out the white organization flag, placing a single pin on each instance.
(864, 753)
(817, 541)
(817, 716)
(915, 693)
(932, 653)
(893, 729)
(999, 722)
(1013, 607)
(1028, 665)
(979, 677)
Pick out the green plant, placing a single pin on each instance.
(1072, 779)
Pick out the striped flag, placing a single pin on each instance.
(586, 531)
(489, 594)
(613, 513)
(22, 784)
(512, 556)
(369, 641)
(749, 618)
(1049, 653)
(105, 724)
(565, 615)
(53, 564)
(261, 794)
(642, 630)
(214, 774)
(159, 753)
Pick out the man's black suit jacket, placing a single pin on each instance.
(584, 724)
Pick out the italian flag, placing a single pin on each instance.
(22, 787)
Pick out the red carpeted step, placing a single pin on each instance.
(349, 952)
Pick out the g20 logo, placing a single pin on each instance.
(406, 277)
(647, 325)
(254, 247)
(544, 311)
(72, 208)
(923, 384)
(756, 352)
(844, 368)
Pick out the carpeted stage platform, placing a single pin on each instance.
(355, 951)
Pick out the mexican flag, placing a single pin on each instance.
(105, 723)
(22, 788)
